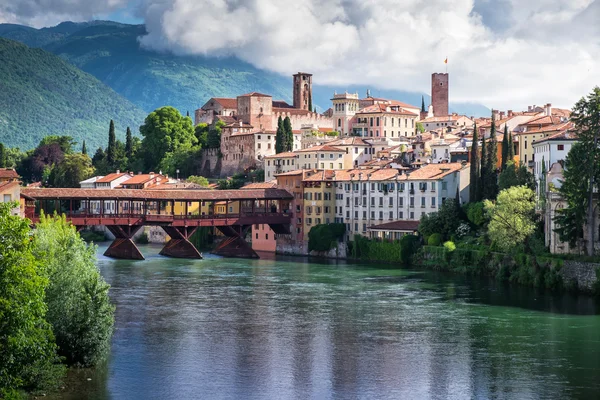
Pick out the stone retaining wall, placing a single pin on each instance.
(581, 272)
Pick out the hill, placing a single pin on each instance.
(41, 94)
(110, 51)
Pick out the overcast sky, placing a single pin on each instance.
(505, 54)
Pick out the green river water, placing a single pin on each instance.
(293, 328)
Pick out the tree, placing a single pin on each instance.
(445, 221)
(199, 180)
(28, 356)
(65, 143)
(514, 175)
(505, 146)
(100, 162)
(474, 171)
(73, 169)
(79, 308)
(512, 217)
(213, 140)
(571, 219)
(280, 137)
(201, 132)
(586, 117)
(490, 186)
(423, 104)
(483, 175)
(37, 165)
(111, 150)
(165, 130)
(511, 148)
(129, 150)
(420, 128)
(289, 134)
(83, 148)
(542, 187)
(3, 157)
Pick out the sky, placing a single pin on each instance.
(506, 54)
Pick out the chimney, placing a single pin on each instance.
(502, 114)
(495, 113)
(548, 109)
(130, 173)
(151, 175)
(241, 123)
(118, 171)
(529, 108)
(510, 113)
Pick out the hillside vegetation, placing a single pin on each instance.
(42, 95)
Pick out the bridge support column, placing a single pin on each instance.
(235, 245)
(123, 247)
(180, 246)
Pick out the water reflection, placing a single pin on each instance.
(287, 328)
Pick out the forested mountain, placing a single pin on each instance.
(111, 52)
(41, 94)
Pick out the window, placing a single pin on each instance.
(444, 185)
(381, 202)
(400, 215)
(391, 201)
(561, 147)
(423, 202)
(258, 146)
(372, 214)
(433, 202)
(391, 215)
(331, 155)
(380, 214)
(266, 236)
(355, 214)
(412, 215)
(372, 201)
(259, 139)
(364, 215)
(401, 202)
(412, 202)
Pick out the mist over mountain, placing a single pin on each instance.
(111, 52)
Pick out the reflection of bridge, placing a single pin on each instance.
(178, 212)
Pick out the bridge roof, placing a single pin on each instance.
(145, 194)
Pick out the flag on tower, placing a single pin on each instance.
(446, 60)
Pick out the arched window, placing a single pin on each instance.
(339, 122)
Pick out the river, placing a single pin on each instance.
(287, 328)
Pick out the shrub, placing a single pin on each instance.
(143, 239)
(476, 214)
(321, 237)
(449, 246)
(409, 244)
(434, 240)
(79, 308)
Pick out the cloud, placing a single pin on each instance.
(503, 53)
(506, 54)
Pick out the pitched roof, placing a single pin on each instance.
(349, 141)
(564, 134)
(403, 226)
(8, 185)
(434, 171)
(443, 118)
(226, 102)
(281, 104)
(8, 173)
(547, 128)
(141, 178)
(295, 172)
(323, 147)
(383, 108)
(111, 177)
(287, 154)
(260, 185)
(255, 94)
(373, 174)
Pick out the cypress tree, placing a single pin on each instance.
(422, 103)
(482, 169)
(279, 137)
(83, 148)
(504, 148)
(128, 144)
(490, 190)
(111, 150)
(474, 172)
(3, 156)
(511, 148)
(315, 109)
(289, 134)
(310, 107)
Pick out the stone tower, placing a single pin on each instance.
(303, 91)
(439, 94)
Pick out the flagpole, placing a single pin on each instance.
(446, 64)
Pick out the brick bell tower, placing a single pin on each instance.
(303, 91)
(439, 94)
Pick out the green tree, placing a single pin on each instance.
(111, 150)
(199, 180)
(28, 358)
(542, 187)
(280, 137)
(66, 143)
(165, 130)
(73, 169)
(483, 175)
(511, 148)
(289, 134)
(474, 171)
(512, 217)
(445, 221)
(586, 118)
(3, 157)
(323, 237)
(505, 146)
(514, 175)
(213, 140)
(420, 128)
(423, 104)
(490, 187)
(571, 220)
(129, 150)
(83, 148)
(79, 308)
(201, 132)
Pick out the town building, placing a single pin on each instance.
(10, 188)
(448, 122)
(550, 150)
(280, 163)
(440, 94)
(536, 129)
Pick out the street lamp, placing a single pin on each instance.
(177, 171)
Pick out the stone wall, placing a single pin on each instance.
(581, 272)
(210, 162)
(299, 119)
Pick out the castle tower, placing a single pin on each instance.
(439, 94)
(303, 91)
(345, 105)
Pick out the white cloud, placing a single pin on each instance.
(535, 52)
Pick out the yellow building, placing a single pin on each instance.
(319, 200)
(534, 130)
(322, 157)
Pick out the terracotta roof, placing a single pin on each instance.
(295, 172)
(404, 226)
(561, 112)
(382, 108)
(281, 104)
(547, 128)
(255, 94)
(373, 174)
(565, 134)
(141, 178)
(226, 102)
(111, 177)
(323, 147)
(35, 185)
(145, 194)
(390, 102)
(8, 173)
(179, 186)
(349, 141)
(321, 175)
(543, 120)
(8, 185)
(434, 171)
(287, 154)
(444, 118)
(260, 185)
(227, 119)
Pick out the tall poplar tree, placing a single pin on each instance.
(289, 134)
(490, 188)
(3, 156)
(422, 103)
(474, 172)
(511, 148)
(505, 146)
(280, 137)
(83, 148)
(129, 144)
(111, 150)
(482, 168)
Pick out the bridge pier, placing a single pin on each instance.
(235, 245)
(123, 247)
(180, 246)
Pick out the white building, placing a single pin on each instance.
(550, 150)
(280, 163)
(345, 105)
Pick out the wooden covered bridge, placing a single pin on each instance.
(178, 212)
